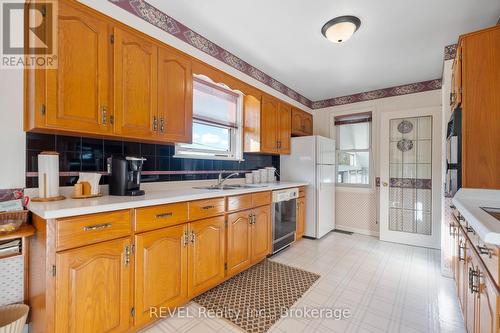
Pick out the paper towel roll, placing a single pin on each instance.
(48, 174)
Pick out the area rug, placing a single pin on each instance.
(257, 298)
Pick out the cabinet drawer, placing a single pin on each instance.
(239, 202)
(156, 217)
(89, 229)
(302, 192)
(206, 208)
(261, 199)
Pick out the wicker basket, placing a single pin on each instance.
(13, 317)
(11, 221)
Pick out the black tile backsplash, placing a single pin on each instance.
(88, 154)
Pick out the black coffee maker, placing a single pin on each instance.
(125, 178)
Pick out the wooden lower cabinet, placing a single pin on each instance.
(160, 271)
(477, 291)
(139, 271)
(248, 238)
(460, 268)
(239, 242)
(206, 254)
(487, 301)
(261, 233)
(469, 298)
(93, 286)
(301, 217)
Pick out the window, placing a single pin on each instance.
(217, 129)
(354, 149)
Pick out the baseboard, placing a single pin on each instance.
(358, 231)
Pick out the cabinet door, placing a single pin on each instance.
(161, 270)
(135, 82)
(297, 122)
(308, 123)
(175, 97)
(301, 217)
(78, 91)
(269, 125)
(487, 320)
(460, 278)
(238, 241)
(93, 288)
(469, 301)
(454, 248)
(206, 255)
(284, 128)
(261, 233)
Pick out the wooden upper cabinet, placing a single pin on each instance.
(302, 123)
(135, 85)
(161, 270)
(78, 92)
(297, 122)
(93, 288)
(175, 96)
(261, 233)
(251, 123)
(480, 82)
(206, 254)
(239, 250)
(269, 124)
(308, 124)
(284, 128)
(269, 130)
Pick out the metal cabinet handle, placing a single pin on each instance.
(104, 116)
(208, 207)
(185, 239)
(126, 255)
(461, 250)
(250, 218)
(162, 125)
(163, 215)
(155, 124)
(484, 250)
(193, 237)
(473, 278)
(97, 227)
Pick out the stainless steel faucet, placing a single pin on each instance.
(222, 180)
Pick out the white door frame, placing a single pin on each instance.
(434, 240)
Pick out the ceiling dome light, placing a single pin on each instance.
(341, 28)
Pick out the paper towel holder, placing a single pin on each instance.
(44, 177)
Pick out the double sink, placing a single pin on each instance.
(228, 187)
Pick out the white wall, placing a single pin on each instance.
(365, 220)
(12, 137)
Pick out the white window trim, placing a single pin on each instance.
(370, 157)
(236, 137)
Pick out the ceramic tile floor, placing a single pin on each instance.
(387, 288)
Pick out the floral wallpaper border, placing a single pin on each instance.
(156, 17)
(450, 51)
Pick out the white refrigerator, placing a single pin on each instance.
(312, 160)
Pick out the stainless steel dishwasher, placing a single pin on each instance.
(284, 217)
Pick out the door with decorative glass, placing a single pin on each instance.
(410, 177)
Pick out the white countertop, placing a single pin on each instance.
(469, 203)
(156, 194)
